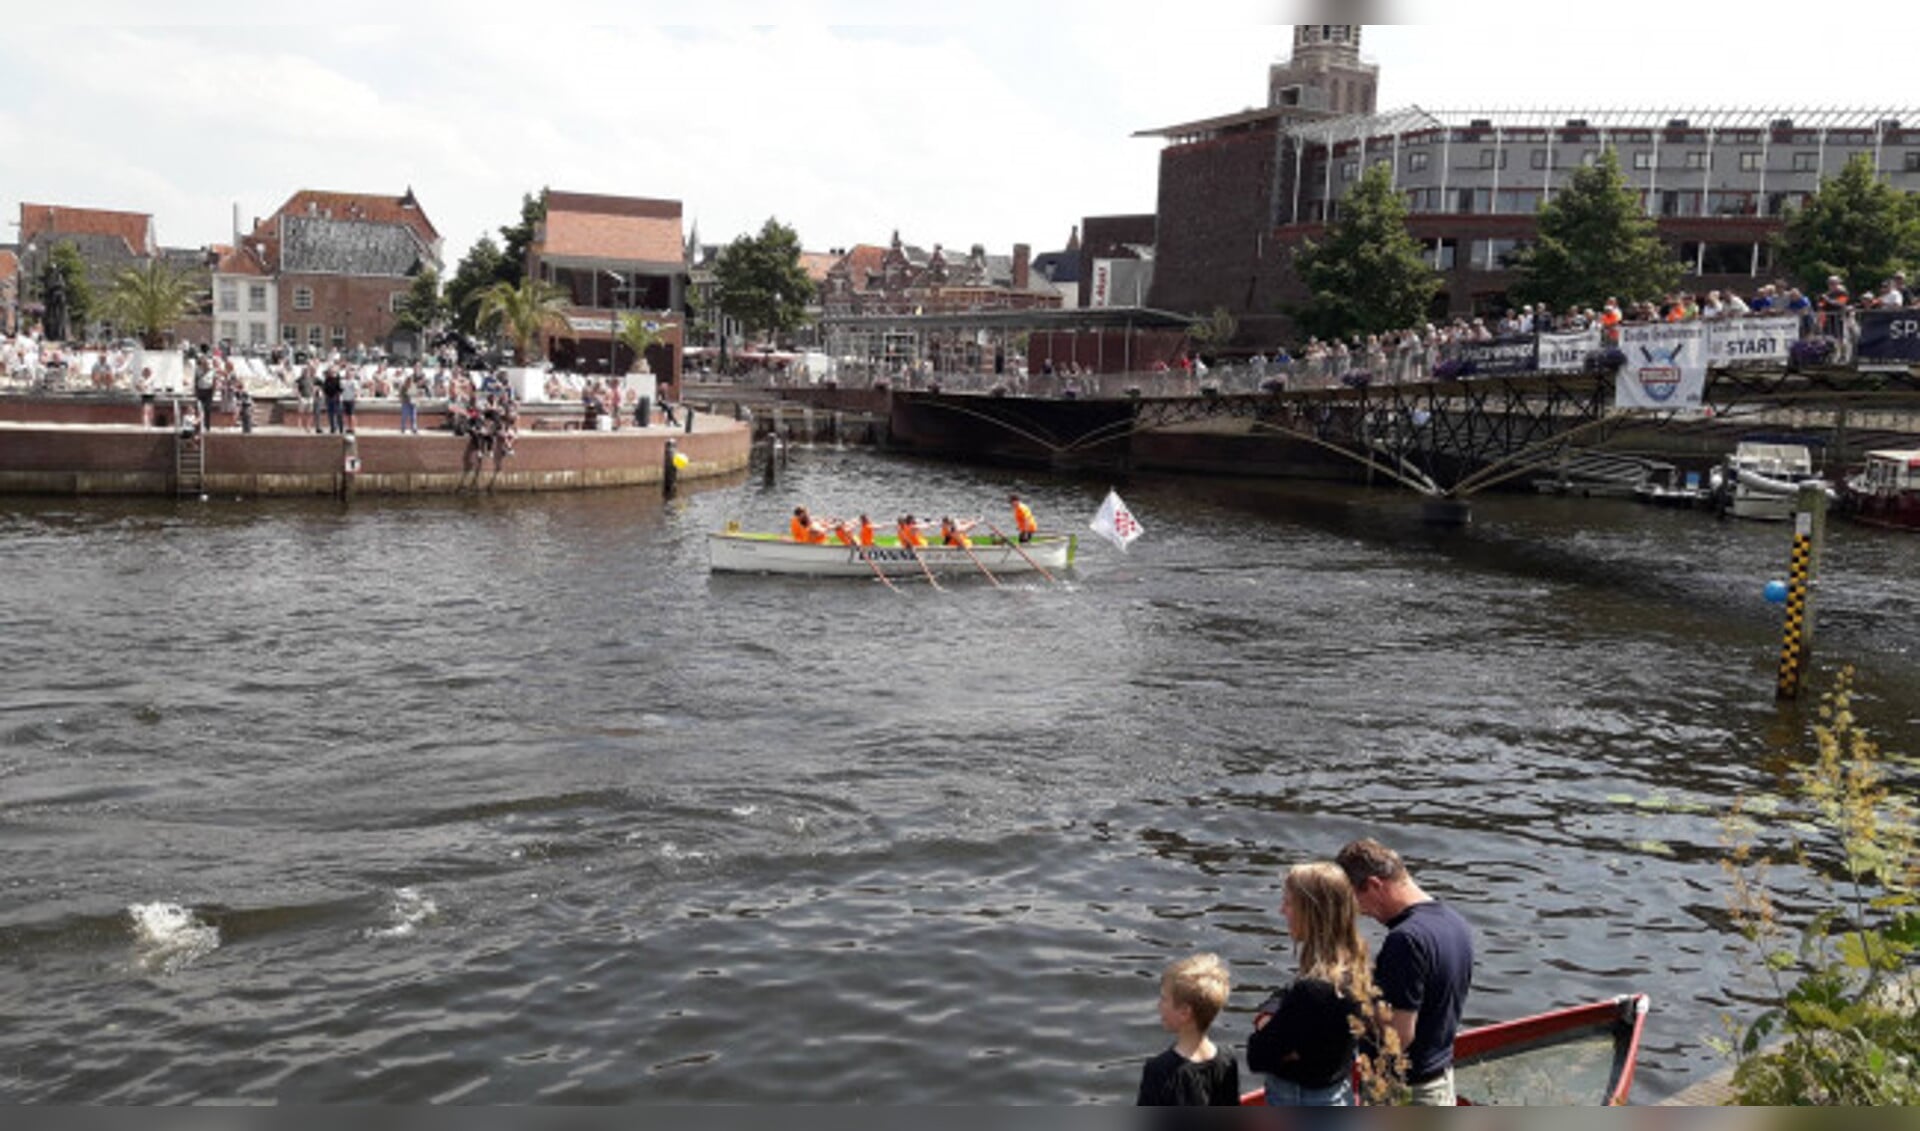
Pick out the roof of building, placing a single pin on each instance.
(243, 260)
(863, 261)
(626, 229)
(1058, 266)
(817, 263)
(320, 245)
(1414, 119)
(373, 207)
(135, 228)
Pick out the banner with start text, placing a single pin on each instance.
(1738, 341)
(1567, 352)
(1666, 366)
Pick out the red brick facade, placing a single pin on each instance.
(347, 310)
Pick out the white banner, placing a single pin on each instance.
(1567, 353)
(1101, 292)
(1737, 341)
(1666, 366)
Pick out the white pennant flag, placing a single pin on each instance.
(1116, 523)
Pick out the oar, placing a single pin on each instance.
(1018, 549)
(857, 548)
(912, 549)
(968, 550)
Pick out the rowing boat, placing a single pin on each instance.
(1569, 1057)
(735, 551)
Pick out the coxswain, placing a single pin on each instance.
(804, 529)
(910, 533)
(1023, 519)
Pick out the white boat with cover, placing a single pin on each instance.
(747, 552)
(1762, 480)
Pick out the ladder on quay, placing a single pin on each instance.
(189, 454)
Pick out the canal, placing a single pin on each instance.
(506, 799)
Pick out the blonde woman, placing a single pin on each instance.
(1306, 1036)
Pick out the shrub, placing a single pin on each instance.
(1840, 1024)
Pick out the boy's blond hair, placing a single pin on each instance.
(1200, 982)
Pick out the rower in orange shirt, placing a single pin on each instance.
(912, 535)
(804, 529)
(1023, 519)
(955, 533)
(866, 532)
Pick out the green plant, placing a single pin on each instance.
(150, 300)
(524, 311)
(635, 334)
(1841, 1024)
(1368, 275)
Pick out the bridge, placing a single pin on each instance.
(1444, 438)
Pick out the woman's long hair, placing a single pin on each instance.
(1327, 917)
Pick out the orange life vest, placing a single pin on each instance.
(1023, 519)
(866, 533)
(910, 536)
(843, 534)
(805, 531)
(952, 537)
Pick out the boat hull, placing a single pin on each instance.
(735, 552)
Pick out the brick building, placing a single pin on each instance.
(904, 280)
(1238, 193)
(108, 241)
(9, 292)
(614, 256)
(325, 272)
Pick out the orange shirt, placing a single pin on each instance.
(910, 536)
(805, 531)
(1023, 519)
(844, 534)
(952, 537)
(866, 533)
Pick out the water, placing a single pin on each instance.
(509, 800)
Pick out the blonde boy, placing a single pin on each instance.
(1193, 1073)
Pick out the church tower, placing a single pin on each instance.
(1326, 73)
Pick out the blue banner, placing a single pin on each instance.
(1889, 339)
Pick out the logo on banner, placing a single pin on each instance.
(1660, 376)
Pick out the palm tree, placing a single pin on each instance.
(525, 311)
(151, 300)
(634, 335)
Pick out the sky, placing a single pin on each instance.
(995, 122)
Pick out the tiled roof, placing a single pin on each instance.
(627, 229)
(136, 228)
(242, 260)
(317, 245)
(863, 261)
(816, 264)
(379, 209)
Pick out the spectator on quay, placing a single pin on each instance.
(349, 395)
(1424, 969)
(330, 388)
(1306, 1036)
(409, 410)
(1193, 1072)
(303, 392)
(204, 380)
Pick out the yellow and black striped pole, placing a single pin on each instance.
(1809, 534)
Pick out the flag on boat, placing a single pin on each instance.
(1115, 522)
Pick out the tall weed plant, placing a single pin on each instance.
(1840, 1023)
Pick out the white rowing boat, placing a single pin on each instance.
(743, 552)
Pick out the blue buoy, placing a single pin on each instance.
(1776, 592)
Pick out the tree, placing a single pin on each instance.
(524, 311)
(1857, 227)
(1369, 276)
(760, 282)
(636, 336)
(422, 308)
(478, 270)
(76, 292)
(1215, 331)
(516, 239)
(1595, 243)
(150, 300)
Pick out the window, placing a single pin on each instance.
(1912, 163)
(1349, 170)
(229, 295)
(1750, 161)
(1445, 255)
(303, 298)
(1538, 158)
(1493, 159)
(339, 337)
(229, 331)
(257, 333)
(1643, 159)
(290, 334)
(316, 336)
(1806, 162)
(257, 297)
(393, 301)
(1417, 162)
(1697, 159)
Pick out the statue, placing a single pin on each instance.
(54, 321)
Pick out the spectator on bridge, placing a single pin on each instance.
(1835, 297)
(1733, 306)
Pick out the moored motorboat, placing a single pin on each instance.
(1886, 492)
(734, 551)
(1762, 479)
(1577, 1057)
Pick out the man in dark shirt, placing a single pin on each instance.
(1424, 968)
